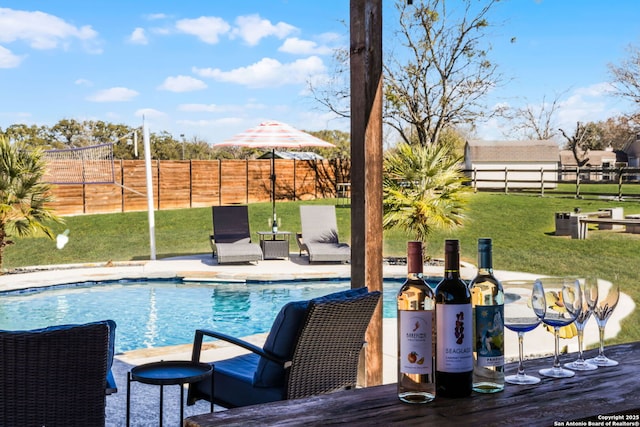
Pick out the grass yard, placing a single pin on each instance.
(521, 225)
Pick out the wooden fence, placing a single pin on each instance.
(196, 183)
(507, 179)
(201, 183)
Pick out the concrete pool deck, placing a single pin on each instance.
(203, 267)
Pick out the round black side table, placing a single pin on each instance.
(171, 372)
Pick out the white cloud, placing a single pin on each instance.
(252, 29)
(83, 82)
(215, 108)
(586, 104)
(8, 59)
(114, 94)
(182, 84)
(268, 72)
(138, 36)
(41, 30)
(206, 28)
(150, 113)
(156, 16)
(303, 47)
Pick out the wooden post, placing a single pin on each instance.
(366, 166)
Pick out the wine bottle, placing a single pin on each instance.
(454, 346)
(416, 315)
(487, 300)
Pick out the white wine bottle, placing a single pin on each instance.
(416, 315)
(454, 346)
(487, 299)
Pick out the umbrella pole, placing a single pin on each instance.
(274, 225)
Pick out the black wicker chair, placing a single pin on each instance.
(313, 348)
(231, 238)
(57, 376)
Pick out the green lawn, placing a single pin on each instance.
(521, 225)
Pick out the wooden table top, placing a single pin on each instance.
(591, 395)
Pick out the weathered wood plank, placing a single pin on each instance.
(586, 396)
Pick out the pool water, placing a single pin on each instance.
(162, 313)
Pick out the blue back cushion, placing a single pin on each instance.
(282, 338)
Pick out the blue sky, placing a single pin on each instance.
(210, 69)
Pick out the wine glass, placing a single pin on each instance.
(520, 317)
(609, 294)
(563, 300)
(589, 299)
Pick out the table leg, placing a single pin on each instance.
(161, 405)
(181, 403)
(128, 396)
(211, 392)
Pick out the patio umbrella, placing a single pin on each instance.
(273, 134)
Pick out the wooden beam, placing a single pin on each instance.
(366, 165)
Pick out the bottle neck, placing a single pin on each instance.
(485, 258)
(452, 259)
(414, 259)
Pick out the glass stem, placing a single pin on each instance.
(580, 341)
(601, 331)
(520, 353)
(556, 355)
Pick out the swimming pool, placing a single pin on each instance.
(156, 313)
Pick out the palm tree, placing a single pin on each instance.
(423, 189)
(23, 195)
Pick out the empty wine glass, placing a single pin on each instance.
(589, 299)
(563, 300)
(608, 295)
(520, 317)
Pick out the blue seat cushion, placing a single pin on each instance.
(280, 342)
(285, 329)
(233, 383)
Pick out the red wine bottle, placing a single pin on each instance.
(454, 346)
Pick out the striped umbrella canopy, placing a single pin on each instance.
(273, 134)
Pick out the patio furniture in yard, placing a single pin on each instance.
(319, 236)
(231, 238)
(56, 376)
(313, 348)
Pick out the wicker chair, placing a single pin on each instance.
(231, 238)
(56, 376)
(313, 348)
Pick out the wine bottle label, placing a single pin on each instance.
(455, 338)
(490, 335)
(416, 342)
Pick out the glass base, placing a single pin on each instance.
(602, 361)
(556, 373)
(523, 379)
(581, 365)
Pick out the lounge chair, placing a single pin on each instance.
(231, 238)
(56, 376)
(319, 236)
(313, 348)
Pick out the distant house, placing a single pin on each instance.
(632, 150)
(522, 163)
(593, 169)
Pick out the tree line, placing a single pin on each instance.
(127, 141)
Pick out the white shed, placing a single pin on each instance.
(522, 163)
